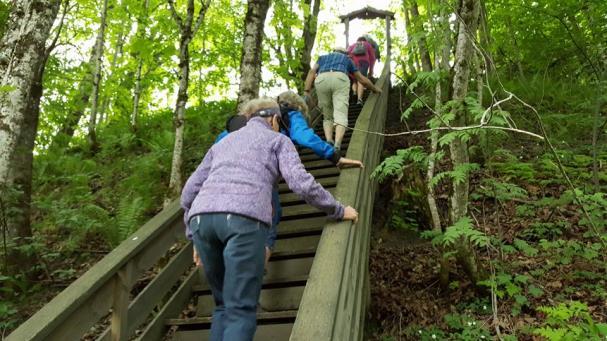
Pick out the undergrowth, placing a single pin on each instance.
(545, 263)
(86, 203)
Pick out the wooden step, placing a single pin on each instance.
(270, 299)
(289, 199)
(301, 226)
(307, 151)
(321, 172)
(311, 165)
(295, 246)
(274, 332)
(331, 181)
(274, 326)
(262, 318)
(292, 212)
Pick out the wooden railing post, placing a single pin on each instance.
(120, 305)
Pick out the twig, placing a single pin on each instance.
(415, 132)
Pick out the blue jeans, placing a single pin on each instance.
(231, 248)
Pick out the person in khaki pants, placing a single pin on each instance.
(333, 89)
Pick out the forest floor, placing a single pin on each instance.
(546, 259)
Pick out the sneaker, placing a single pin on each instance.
(337, 150)
(360, 102)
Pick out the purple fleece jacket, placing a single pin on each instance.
(238, 173)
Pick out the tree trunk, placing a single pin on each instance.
(441, 63)
(250, 62)
(410, 53)
(421, 43)
(187, 33)
(458, 148)
(68, 127)
(22, 54)
(117, 54)
(137, 91)
(309, 36)
(99, 42)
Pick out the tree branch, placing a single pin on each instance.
(53, 44)
(174, 14)
(203, 10)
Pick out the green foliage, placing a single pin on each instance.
(463, 229)
(460, 327)
(403, 217)
(394, 165)
(570, 321)
(4, 14)
(457, 175)
(502, 191)
(114, 192)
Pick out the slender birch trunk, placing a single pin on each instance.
(98, 60)
(22, 56)
(137, 91)
(458, 148)
(117, 54)
(188, 29)
(250, 62)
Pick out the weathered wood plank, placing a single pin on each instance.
(296, 210)
(281, 298)
(287, 245)
(262, 317)
(332, 181)
(270, 299)
(144, 303)
(271, 332)
(301, 226)
(120, 305)
(287, 199)
(203, 289)
(157, 328)
(70, 302)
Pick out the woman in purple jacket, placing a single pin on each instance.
(227, 204)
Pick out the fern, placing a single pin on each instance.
(128, 216)
(458, 175)
(463, 228)
(393, 165)
(418, 103)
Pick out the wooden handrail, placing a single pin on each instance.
(108, 283)
(334, 300)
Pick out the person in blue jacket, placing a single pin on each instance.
(294, 124)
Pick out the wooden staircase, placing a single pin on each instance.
(316, 286)
(284, 282)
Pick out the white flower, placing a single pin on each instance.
(482, 336)
(484, 307)
(469, 323)
(420, 331)
(433, 336)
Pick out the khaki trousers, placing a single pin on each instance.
(333, 91)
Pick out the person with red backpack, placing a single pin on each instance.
(362, 54)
